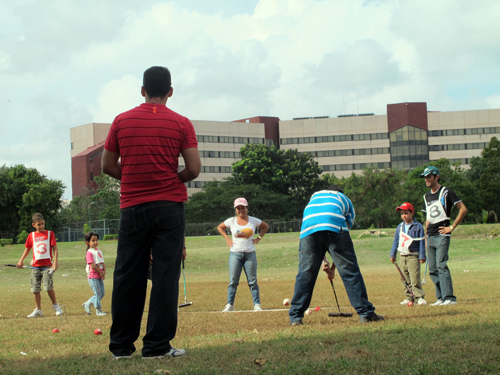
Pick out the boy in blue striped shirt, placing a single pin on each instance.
(325, 228)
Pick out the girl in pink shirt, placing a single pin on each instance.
(96, 271)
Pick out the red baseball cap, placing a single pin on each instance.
(405, 206)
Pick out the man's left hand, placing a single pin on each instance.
(445, 230)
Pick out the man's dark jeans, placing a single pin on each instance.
(312, 250)
(156, 227)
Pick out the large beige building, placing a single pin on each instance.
(340, 144)
(88, 135)
(406, 137)
(460, 135)
(219, 144)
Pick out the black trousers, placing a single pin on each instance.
(156, 227)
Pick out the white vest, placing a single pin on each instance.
(435, 211)
(405, 241)
(41, 248)
(98, 259)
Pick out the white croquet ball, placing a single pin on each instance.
(286, 302)
(309, 312)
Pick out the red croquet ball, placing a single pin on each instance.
(55, 330)
(98, 331)
(317, 308)
(410, 303)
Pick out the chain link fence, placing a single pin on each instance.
(6, 235)
(72, 232)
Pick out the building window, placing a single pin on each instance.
(72, 146)
(408, 147)
(468, 131)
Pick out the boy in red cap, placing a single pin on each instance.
(409, 240)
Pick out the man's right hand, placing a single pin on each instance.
(19, 264)
(393, 260)
(330, 271)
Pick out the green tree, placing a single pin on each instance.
(375, 195)
(107, 198)
(76, 211)
(215, 202)
(86, 228)
(96, 205)
(452, 176)
(25, 191)
(489, 176)
(284, 172)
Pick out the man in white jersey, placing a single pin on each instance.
(325, 228)
(438, 203)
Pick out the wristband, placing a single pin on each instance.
(451, 226)
(259, 237)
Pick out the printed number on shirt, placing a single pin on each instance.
(434, 211)
(43, 246)
(404, 243)
(405, 238)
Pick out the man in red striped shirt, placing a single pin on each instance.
(142, 151)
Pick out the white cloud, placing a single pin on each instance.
(230, 60)
(493, 101)
(116, 97)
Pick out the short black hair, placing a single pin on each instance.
(335, 188)
(157, 81)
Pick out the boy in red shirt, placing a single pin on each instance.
(44, 245)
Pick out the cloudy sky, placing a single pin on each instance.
(67, 63)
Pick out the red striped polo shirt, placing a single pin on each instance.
(149, 140)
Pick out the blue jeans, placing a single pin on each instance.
(156, 227)
(247, 261)
(97, 286)
(437, 254)
(312, 250)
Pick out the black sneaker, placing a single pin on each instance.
(370, 318)
(296, 323)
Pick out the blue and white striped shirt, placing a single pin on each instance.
(327, 210)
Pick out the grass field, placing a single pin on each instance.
(459, 339)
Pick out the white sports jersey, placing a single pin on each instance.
(435, 211)
(41, 248)
(405, 241)
(98, 259)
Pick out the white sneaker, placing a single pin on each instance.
(228, 308)
(57, 309)
(86, 307)
(421, 301)
(36, 313)
(119, 357)
(449, 302)
(437, 303)
(257, 307)
(171, 353)
(99, 312)
(405, 302)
